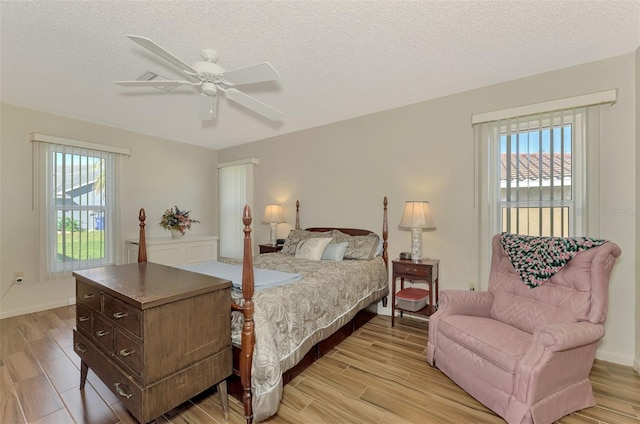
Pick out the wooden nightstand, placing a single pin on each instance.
(270, 248)
(425, 271)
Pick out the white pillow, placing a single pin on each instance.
(312, 248)
(334, 251)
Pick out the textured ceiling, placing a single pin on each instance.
(337, 60)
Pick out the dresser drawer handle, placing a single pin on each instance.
(119, 315)
(83, 319)
(81, 348)
(126, 352)
(101, 333)
(122, 392)
(88, 296)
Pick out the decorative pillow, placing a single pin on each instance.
(312, 248)
(334, 251)
(296, 236)
(360, 247)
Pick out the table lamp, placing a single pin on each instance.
(273, 214)
(416, 217)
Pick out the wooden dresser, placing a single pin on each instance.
(155, 335)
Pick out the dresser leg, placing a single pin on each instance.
(84, 368)
(224, 398)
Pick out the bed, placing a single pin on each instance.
(279, 331)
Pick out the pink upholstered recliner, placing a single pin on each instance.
(526, 353)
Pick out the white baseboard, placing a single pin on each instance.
(615, 358)
(35, 308)
(636, 365)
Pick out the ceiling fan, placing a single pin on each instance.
(212, 79)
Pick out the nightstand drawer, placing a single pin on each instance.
(412, 270)
(270, 248)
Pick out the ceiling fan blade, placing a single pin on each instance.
(154, 83)
(208, 107)
(253, 104)
(154, 48)
(250, 74)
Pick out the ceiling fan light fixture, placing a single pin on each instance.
(209, 88)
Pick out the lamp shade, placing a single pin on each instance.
(417, 215)
(273, 214)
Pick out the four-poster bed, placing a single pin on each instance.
(350, 287)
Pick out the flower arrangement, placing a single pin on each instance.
(176, 219)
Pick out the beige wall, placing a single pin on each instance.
(340, 173)
(159, 174)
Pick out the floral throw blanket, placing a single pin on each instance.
(536, 259)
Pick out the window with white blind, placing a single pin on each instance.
(78, 197)
(534, 169)
(79, 194)
(540, 182)
(236, 191)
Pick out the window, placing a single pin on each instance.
(236, 191)
(80, 189)
(77, 195)
(540, 184)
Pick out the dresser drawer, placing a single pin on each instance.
(123, 315)
(127, 391)
(83, 319)
(129, 352)
(103, 334)
(89, 295)
(410, 270)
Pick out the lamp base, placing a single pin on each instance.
(273, 234)
(416, 244)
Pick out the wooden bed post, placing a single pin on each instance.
(142, 238)
(297, 214)
(248, 334)
(385, 234)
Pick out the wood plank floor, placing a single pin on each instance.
(377, 375)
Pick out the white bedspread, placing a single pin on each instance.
(263, 278)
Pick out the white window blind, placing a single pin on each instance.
(236, 191)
